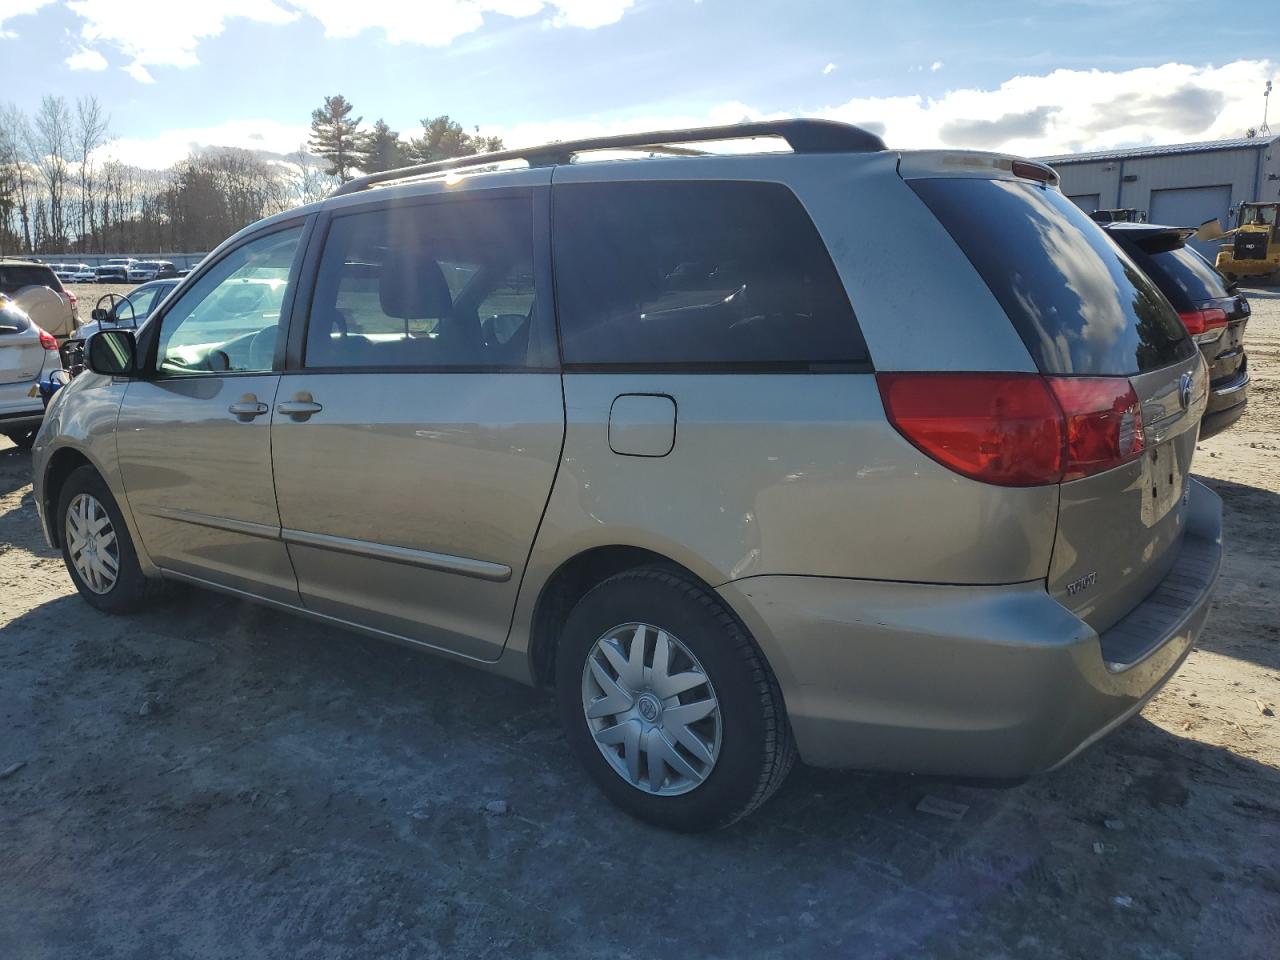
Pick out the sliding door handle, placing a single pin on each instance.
(300, 408)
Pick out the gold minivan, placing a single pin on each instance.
(677, 436)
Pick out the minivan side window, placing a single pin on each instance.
(697, 273)
(441, 285)
(229, 320)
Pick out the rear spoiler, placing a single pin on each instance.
(1151, 239)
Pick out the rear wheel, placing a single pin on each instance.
(23, 439)
(96, 546)
(669, 704)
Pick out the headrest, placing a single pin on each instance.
(413, 288)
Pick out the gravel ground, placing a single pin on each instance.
(215, 780)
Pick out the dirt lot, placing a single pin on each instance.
(88, 294)
(214, 780)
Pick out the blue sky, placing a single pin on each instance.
(1031, 77)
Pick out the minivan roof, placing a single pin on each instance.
(801, 135)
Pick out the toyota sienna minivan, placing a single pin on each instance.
(876, 458)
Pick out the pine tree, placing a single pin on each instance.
(336, 137)
(443, 138)
(383, 150)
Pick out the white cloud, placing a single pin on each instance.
(167, 33)
(936, 66)
(139, 72)
(589, 14)
(1059, 112)
(437, 23)
(86, 59)
(172, 145)
(12, 9)
(828, 69)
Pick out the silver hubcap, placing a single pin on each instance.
(651, 709)
(91, 541)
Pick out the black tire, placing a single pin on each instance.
(23, 439)
(757, 749)
(131, 589)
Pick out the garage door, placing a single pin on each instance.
(1088, 202)
(1190, 207)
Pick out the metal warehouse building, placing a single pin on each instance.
(1183, 185)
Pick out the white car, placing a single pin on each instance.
(27, 355)
(84, 274)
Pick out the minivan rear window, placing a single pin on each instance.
(1183, 275)
(671, 274)
(1081, 306)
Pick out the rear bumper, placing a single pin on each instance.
(1227, 402)
(992, 682)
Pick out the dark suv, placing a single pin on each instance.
(1213, 311)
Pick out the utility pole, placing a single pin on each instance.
(1266, 102)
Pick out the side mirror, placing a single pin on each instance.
(102, 316)
(112, 352)
(1210, 230)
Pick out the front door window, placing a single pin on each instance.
(229, 321)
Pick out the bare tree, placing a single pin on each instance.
(48, 143)
(91, 133)
(14, 134)
(310, 182)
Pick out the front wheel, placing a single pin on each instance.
(96, 546)
(668, 702)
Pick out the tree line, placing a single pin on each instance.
(62, 193)
(347, 148)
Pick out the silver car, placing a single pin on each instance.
(28, 355)
(873, 457)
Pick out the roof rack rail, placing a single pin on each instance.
(803, 136)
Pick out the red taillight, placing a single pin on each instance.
(1016, 430)
(1198, 321)
(47, 339)
(1103, 423)
(998, 428)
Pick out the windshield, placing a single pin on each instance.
(1080, 305)
(1258, 216)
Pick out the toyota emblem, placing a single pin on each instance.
(1184, 391)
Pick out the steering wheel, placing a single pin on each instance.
(113, 301)
(262, 348)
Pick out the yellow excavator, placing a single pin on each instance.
(1254, 247)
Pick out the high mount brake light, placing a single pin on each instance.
(1017, 430)
(1033, 171)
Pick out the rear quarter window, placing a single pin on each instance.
(698, 273)
(1080, 305)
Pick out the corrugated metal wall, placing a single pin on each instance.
(1237, 169)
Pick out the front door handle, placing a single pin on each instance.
(248, 407)
(300, 408)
